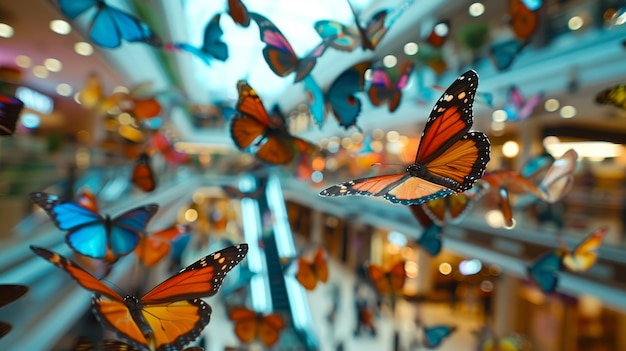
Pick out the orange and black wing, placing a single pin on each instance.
(320, 262)
(151, 249)
(116, 345)
(143, 176)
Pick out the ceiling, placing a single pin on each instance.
(592, 57)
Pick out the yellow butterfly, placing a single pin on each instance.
(585, 253)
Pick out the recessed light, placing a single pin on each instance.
(476, 9)
(40, 72)
(390, 61)
(23, 61)
(411, 48)
(568, 111)
(64, 89)
(83, 48)
(441, 29)
(52, 64)
(551, 105)
(6, 31)
(60, 27)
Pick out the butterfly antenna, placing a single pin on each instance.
(356, 16)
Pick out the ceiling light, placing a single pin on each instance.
(83, 48)
(441, 29)
(411, 48)
(22, 61)
(499, 116)
(445, 268)
(588, 149)
(64, 89)
(60, 27)
(52, 64)
(476, 9)
(575, 23)
(549, 140)
(510, 149)
(568, 111)
(390, 61)
(552, 105)
(6, 31)
(40, 72)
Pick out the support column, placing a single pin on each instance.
(505, 305)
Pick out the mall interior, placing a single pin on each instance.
(222, 153)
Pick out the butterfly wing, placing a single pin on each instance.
(345, 38)
(503, 53)
(239, 12)
(543, 271)
(10, 109)
(434, 336)
(524, 21)
(615, 96)
(394, 103)
(213, 44)
(110, 25)
(341, 94)
(381, 88)
(379, 278)
(320, 262)
(315, 99)
(436, 209)
(245, 321)
(382, 21)
(586, 252)
(437, 39)
(306, 275)
(128, 228)
(278, 53)
(431, 240)
(505, 206)
(73, 8)
(151, 249)
(142, 175)
(559, 178)
(269, 329)
(306, 64)
(5, 328)
(397, 277)
(11, 292)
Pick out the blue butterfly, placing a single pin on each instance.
(504, 53)
(90, 234)
(543, 271)
(212, 47)
(434, 336)
(340, 97)
(110, 25)
(536, 165)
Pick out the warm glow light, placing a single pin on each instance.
(568, 111)
(410, 269)
(60, 27)
(6, 31)
(552, 105)
(333, 146)
(40, 72)
(476, 9)
(191, 215)
(368, 74)
(52, 64)
(64, 89)
(318, 163)
(591, 149)
(510, 149)
(121, 90)
(346, 142)
(393, 136)
(411, 48)
(549, 140)
(390, 61)
(378, 133)
(445, 268)
(83, 48)
(357, 137)
(22, 61)
(332, 164)
(377, 146)
(575, 23)
(124, 118)
(497, 126)
(499, 116)
(494, 218)
(486, 286)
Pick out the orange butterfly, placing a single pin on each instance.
(251, 325)
(585, 253)
(87, 199)
(388, 282)
(168, 316)
(450, 157)
(453, 208)
(524, 21)
(267, 138)
(161, 143)
(310, 272)
(238, 12)
(83, 344)
(143, 175)
(152, 248)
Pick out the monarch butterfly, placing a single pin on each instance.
(90, 234)
(238, 12)
(504, 53)
(382, 90)
(8, 294)
(340, 97)
(10, 108)
(310, 272)
(368, 37)
(253, 130)
(168, 316)
(518, 108)
(279, 54)
(388, 282)
(251, 325)
(161, 143)
(143, 175)
(212, 47)
(152, 248)
(84, 344)
(434, 336)
(450, 157)
(615, 96)
(543, 271)
(585, 253)
(110, 25)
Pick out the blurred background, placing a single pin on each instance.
(552, 78)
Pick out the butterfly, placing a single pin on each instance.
(143, 175)
(439, 34)
(154, 247)
(383, 90)
(507, 343)
(543, 271)
(453, 208)
(615, 96)
(340, 97)
(89, 233)
(110, 25)
(518, 108)
(482, 97)
(212, 47)
(524, 21)
(168, 316)
(559, 178)
(434, 336)
(430, 239)
(368, 37)
(310, 272)
(251, 325)
(503, 53)
(585, 253)
(83, 344)
(450, 157)
(388, 282)
(238, 12)
(8, 294)
(10, 109)
(161, 143)
(252, 130)
(279, 54)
